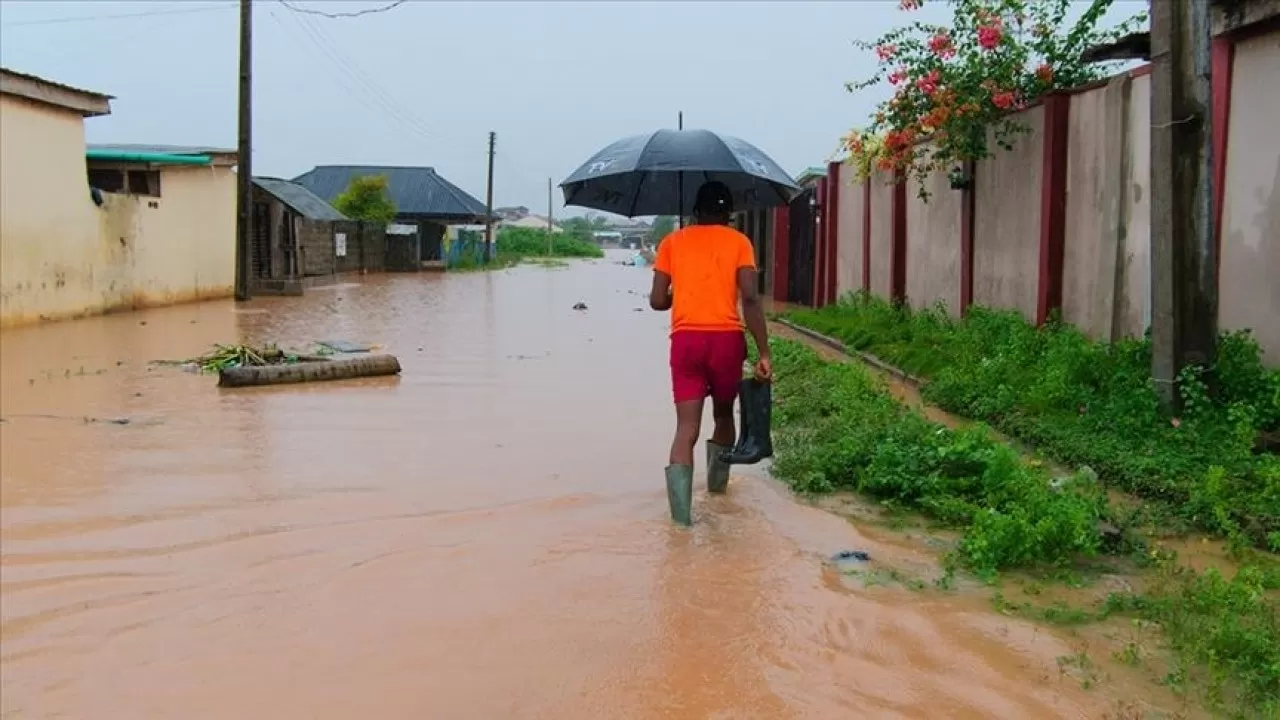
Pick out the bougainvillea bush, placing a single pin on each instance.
(952, 84)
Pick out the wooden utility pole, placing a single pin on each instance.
(244, 164)
(551, 225)
(1184, 282)
(488, 220)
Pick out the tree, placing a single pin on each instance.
(662, 227)
(578, 228)
(366, 199)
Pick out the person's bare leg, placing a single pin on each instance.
(688, 426)
(724, 433)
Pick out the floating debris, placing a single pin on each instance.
(344, 346)
(229, 356)
(580, 306)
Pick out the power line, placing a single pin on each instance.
(119, 16)
(357, 73)
(358, 82)
(334, 16)
(353, 81)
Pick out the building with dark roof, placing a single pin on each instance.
(426, 204)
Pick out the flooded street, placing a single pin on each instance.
(485, 536)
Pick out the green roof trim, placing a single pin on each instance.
(146, 157)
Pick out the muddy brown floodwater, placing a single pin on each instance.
(485, 536)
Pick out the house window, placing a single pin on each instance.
(131, 182)
(111, 181)
(144, 182)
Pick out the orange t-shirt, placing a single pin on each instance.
(703, 262)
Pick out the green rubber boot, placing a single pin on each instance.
(680, 493)
(717, 469)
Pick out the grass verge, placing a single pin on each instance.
(1082, 402)
(839, 428)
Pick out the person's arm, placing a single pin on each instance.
(753, 309)
(660, 293)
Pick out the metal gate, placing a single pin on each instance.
(802, 251)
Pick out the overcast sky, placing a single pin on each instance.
(423, 83)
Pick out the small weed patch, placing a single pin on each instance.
(1225, 631)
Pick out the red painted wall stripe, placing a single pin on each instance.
(781, 251)
(898, 242)
(968, 202)
(866, 235)
(819, 244)
(833, 230)
(1222, 70)
(1053, 205)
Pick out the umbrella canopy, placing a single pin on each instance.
(647, 174)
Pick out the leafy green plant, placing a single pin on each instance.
(1224, 629)
(536, 242)
(366, 198)
(839, 428)
(1092, 404)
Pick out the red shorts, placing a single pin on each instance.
(707, 362)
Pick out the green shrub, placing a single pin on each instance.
(532, 242)
(1089, 403)
(839, 428)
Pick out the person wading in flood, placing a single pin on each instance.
(699, 274)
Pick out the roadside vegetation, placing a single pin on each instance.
(516, 245)
(1087, 406)
(533, 243)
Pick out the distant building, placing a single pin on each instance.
(512, 213)
(426, 204)
(536, 222)
(300, 240)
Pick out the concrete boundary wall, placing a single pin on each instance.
(1060, 224)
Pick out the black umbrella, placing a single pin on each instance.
(647, 174)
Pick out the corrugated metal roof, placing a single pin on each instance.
(416, 191)
(302, 200)
(52, 83)
(161, 149)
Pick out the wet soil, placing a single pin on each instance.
(483, 536)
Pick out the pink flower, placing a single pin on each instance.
(1176, 422)
(989, 36)
(884, 52)
(897, 76)
(910, 4)
(929, 83)
(941, 46)
(1003, 100)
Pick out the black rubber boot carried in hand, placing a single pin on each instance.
(755, 400)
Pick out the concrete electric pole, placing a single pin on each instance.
(244, 164)
(1184, 282)
(488, 221)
